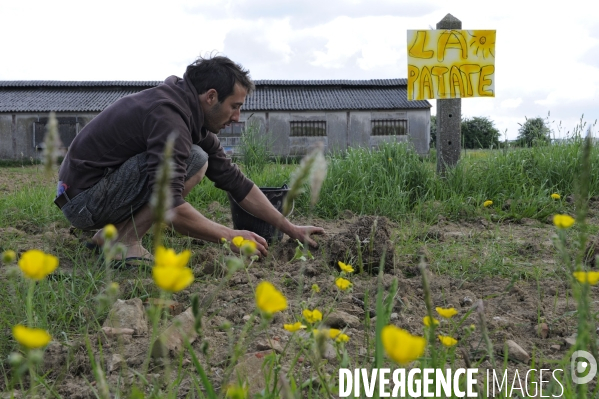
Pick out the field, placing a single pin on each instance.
(416, 242)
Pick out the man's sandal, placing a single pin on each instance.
(92, 246)
(132, 262)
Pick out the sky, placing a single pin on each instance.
(547, 53)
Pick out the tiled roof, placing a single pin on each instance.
(151, 83)
(270, 95)
(58, 99)
(306, 98)
(371, 82)
(75, 83)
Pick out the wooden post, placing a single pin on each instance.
(449, 117)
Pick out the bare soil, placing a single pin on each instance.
(512, 308)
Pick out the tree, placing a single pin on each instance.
(479, 132)
(433, 143)
(534, 131)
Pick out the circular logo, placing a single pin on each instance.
(578, 367)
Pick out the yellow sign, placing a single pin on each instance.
(451, 64)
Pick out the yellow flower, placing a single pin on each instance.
(342, 283)
(168, 257)
(237, 241)
(338, 335)
(563, 221)
(315, 288)
(172, 279)
(269, 299)
(401, 346)
(332, 333)
(109, 231)
(247, 247)
(345, 268)
(36, 264)
(240, 241)
(8, 256)
(293, 327)
(447, 341)
(427, 321)
(446, 313)
(170, 272)
(555, 196)
(312, 316)
(591, 278)
(487, 203)
(237, 392)
(31, 338)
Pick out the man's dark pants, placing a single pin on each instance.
(120, 193)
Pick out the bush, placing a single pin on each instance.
(533, 132)
(433, 143)
(255, 148)
(479, 132)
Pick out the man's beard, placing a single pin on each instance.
(211, 119)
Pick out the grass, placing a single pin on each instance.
(392, 182)
(395, 182)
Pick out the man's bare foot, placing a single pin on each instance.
(98, 238)
(136, 250)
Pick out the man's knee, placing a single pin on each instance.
(195, 179)
(199, 175)
(197, 160)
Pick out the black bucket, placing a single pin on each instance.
(243, 220)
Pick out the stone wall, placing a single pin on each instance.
(344, 129)
(20, 133)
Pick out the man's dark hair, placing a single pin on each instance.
(218, 73)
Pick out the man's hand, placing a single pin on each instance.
(188, 221)
(261, 244)
(257, 204)
(303, 233)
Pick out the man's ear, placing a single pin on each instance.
(211, 96)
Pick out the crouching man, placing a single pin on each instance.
(109, 172)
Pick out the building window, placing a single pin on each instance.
(233, 130)
(308, 129)
(68, 128)
(230, 138)
(231, 135)
(389, 127)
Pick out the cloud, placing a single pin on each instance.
(581, 85)
(266, 41)
(310, 13)
(511, 103)
(333, 50)
(591, 57)
(594, 30)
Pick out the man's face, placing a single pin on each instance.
(218, 115)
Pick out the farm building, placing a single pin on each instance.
(294, 113)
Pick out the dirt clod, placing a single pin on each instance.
(368, 237)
